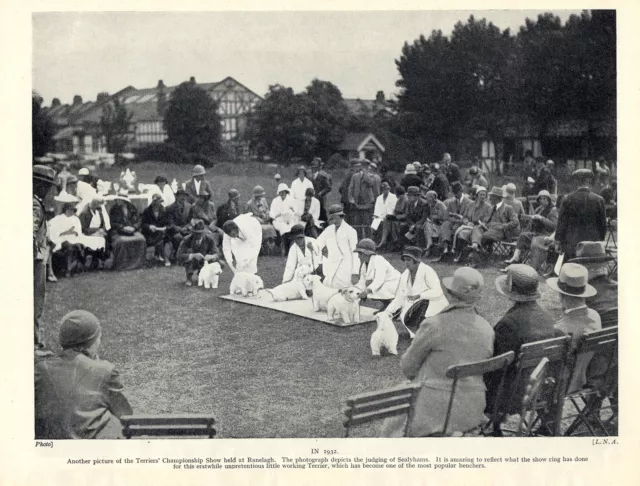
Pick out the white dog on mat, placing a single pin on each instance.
(320, 294)
(245, 284)
(209, 275)
(294, 289)
(385, 336)
(346, 305)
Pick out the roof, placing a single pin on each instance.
(367, 108)
(358, 140)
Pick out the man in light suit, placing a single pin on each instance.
(197, 185)
(582, 216)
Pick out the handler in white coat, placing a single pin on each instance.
(241, 242)
(337, 242)
(284, 210)
(419, 285)
(378, 278)
(303, 251)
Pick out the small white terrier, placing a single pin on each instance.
(385, 336)
(321, 294)
(245, 284)
(294, 289)
(209, 275)
(346, 305)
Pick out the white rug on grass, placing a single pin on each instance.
(302, 308)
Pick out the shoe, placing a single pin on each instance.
(159, 259)
(188, 283)
(52, 278)
(167, 263)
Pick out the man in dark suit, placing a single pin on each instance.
(582, 216)
(440, 183)
(417, 214)
(178, 219)
(196, 248)
(450, 170)
(322, 183)
(154, 228)
(197, 185)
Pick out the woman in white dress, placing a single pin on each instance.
(303, 251)
(378, 278)
(284, 213)
(161, 186)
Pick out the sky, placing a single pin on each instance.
(89, 52)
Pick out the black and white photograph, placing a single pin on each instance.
(325, 224)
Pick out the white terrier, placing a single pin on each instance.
(245, 284)
(346, 305)
(385, 336)
(294, 289)
(209, 275)
(320, 294)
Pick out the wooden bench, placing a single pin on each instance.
(168, 425)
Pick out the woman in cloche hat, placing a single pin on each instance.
(284, 213)
(378, 278)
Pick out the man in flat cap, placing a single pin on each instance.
(78, 395)
(43, 182)
(582, 216)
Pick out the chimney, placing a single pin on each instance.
(77, 100)
(102, 97)
(192, 80)
(55, 102)
(162, 98)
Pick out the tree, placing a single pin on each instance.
(114, 126)
(41, 128)
(192, 121)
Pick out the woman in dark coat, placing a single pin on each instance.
(128, 246)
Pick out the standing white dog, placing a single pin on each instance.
(245, 284)
(385, 336)
(209, 275)
(346, 305)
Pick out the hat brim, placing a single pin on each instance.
(335, 214)
(589, 290)
(44, 179)
(365, 251)
(595, 259)
(447, 283)
(501, 286)
(407, 255)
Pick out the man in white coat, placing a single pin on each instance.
(300, 185)
(303, 251)
(419, 288)
(378, 278)
(337, 242)
(241, 242)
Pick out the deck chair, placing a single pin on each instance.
(168, 425)
(602, 376)
(477, 368)
(547, 404)
(370, 406)
(532, 393)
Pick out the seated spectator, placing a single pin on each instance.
(205, 210)
(229, 210)
(411, 177)
(178, 217)
(455, 209)
(284, 213)
(440, 183)
(476, 214)
(163, 188)
(578, 320)
(523, 323)
(385, 206)
(394, 221)
(476, 178)
(300, 185)
(310, 214)
(128, 245)
(259, 208)
(510, 199)
(592, 255)
(154, 224)
(456, 335)
(65, 231)
(197, 247)
(241, 244)
(78, 395)
(609, 194)
(417, 213)
(72, 186)
(437, 216)
(543, 223)
(378, 278)
(95, 223)
(419, 293)
(502, 224)
(303, 251)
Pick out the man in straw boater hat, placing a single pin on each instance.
(457, 334)
(378, 278)
(582, 216)
(43, 182)
(592, 255)
(77, 394)
(197, 185)
(573, 286)
(523, 323)
(337, 243)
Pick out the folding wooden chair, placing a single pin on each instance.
(609, 318)
(390, 402)
(168, 425)
(531, 396)
(477, 368)
(602, 376)
(548, 403)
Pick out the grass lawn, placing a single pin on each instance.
(261, 373)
